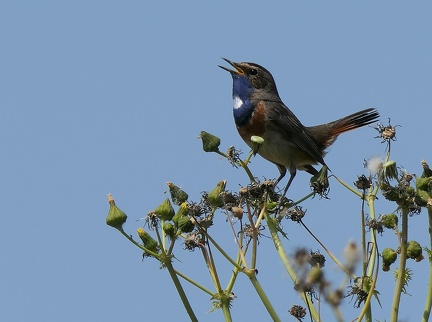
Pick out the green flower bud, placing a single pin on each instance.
(183, 210)
(422, 198)
(214, 197)
(169, 229)
(165, 211)
(424, 184)
(414, 251)
(185, 224)
(210, 142)
(147, 240)
(177, 195)
(389, 221)
(389, 257)
(389, 192)
(257, 142)
(116, 218)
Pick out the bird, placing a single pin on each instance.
(259, 111)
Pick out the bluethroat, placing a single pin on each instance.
(258, 110)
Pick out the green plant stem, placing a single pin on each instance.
(172, 273)
(128, 237)
(311, 194)
(221, 250)
(180, 291)
(191, 281)
(428, 304)
(248, 172)
(400, 282)
(171, 247)
(238, 243)
(287, 264)
(255, 236)
(256, 231)
(354, 191)
(208, 257)
(226, 311)
(367, 308)
(363, 237)
(243, 164)
(235, 273)
(163, 236)
(264, 298)
(338, 263)
(371, 203)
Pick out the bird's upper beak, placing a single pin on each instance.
(237, 71)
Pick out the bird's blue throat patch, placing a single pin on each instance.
(242, 106)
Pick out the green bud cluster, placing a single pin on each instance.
(182, 220)
(424, 187)
(389, 256)
(389, 221)
(414, 251)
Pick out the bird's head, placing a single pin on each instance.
(251, 78)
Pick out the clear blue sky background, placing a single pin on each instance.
(110, 96)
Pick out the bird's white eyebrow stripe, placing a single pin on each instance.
(237, 102)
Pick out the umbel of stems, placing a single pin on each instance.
(179, 224)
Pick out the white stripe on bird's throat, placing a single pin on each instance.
(237, 102)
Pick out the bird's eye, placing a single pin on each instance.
(253, 72)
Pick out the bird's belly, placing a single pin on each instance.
(282, 151)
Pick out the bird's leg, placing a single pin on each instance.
(291, 178)
(282, 171)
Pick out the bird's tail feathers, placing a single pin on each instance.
(353, 121)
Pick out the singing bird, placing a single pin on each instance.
(258, 110)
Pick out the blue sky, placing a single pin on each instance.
(105, 97)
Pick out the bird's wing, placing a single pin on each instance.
(281, 117)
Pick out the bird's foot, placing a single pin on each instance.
(319, 183)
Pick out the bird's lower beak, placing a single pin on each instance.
(237, 71)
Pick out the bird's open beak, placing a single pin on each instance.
(237, 71)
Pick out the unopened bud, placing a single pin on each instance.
(165, 211)
(185, 224)
(177, 194)
(116, 218)
(389, 192)
(423, 198)
(414, 251)
(183, 210)
(169, 229)
(214, 197)
(257, 142)
(389, 256)
(389, 221)
(424, 184)
(210, 142)
(147, 240)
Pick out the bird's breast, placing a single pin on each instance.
(255, 124)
